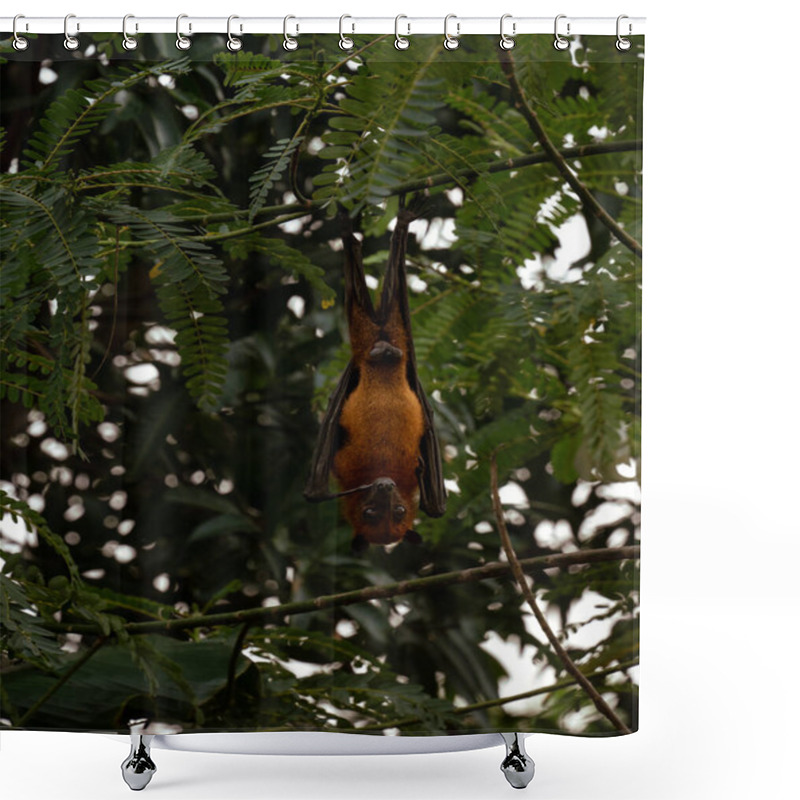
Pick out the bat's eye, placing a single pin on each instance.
(370, 514)
(399, 512)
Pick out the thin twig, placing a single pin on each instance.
(439, 179)
(213, 237)
(553, 687)
(353, 55)
(115, 307)
(569, 665)
(263, 615)
(511, 164)
(587, 198)
(62, 680)
(501, 701)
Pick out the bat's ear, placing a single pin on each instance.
(359, 544)
(412, 537)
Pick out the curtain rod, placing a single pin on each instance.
(454, 26)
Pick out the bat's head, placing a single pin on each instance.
(381, 514)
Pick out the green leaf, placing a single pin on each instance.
(222, 525)
(278, 158)
(203, 498)
(175, 677)
(562, 457)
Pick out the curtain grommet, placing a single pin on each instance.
(182, 42)
(20, 43)
(233, 44)
(623, 44)
(289, 43)
(345, 42)
(559, 42)
(128, 42)
(451, 42)
(70, 42)
(401, 42)
(507, 42)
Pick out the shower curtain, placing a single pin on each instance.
(185, 321)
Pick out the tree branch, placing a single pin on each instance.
(569, 665)
(62, 680)
(439, 179)
(501, 701)
(553, 687)
(586, 197)
(509, 164)
(262, 615)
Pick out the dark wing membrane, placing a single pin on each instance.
(394, 291)
(318, 485)
(432, 495)
(356, 295)
(356, 292)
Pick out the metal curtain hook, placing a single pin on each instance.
(20, 43)
(400, 42)
(70, 42)
(345, 42)
(623, 44)
(506, 42)
(182, 42)
(233, 44)
(450, 41)
(128, 42)
(288, 42)
(560, 43)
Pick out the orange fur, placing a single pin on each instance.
(383, 424)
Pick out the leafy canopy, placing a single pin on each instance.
(171, 331)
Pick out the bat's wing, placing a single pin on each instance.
(317, 487)
(358, 304)
(432, 495)
(356, 293)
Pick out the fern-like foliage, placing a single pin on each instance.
(23, 596)
(278, 158)
(180, 169)
(78, 111)
(261, 87)
(46, 234)
(376, 144)
(50, 257)
(17, 510)
(184, 217)
(189, 279)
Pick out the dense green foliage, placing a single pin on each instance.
(172, 328)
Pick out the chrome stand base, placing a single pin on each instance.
(138, 768)
(517, 766)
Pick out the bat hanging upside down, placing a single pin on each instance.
(377, 436)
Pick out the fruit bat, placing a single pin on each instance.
(377, 435)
